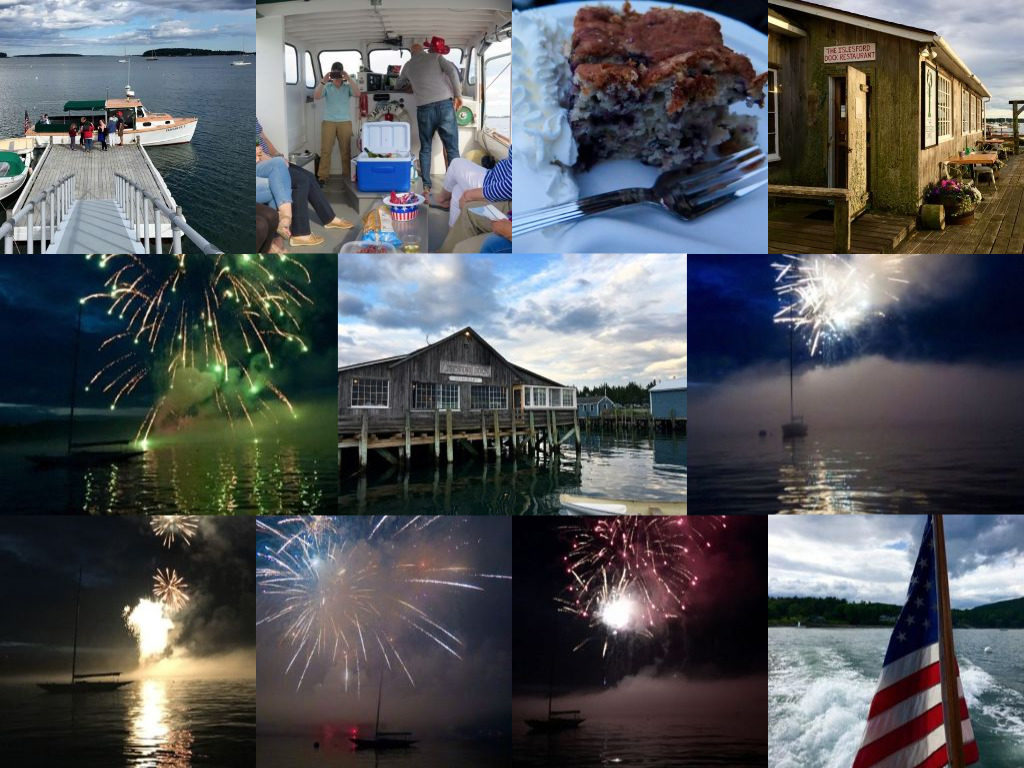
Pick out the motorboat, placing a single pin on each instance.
(140, 124)
(593, 505)
(14, 170)
(84, 683)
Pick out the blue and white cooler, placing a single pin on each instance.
(384, 174)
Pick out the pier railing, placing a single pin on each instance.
(52, 204)
(144, 211)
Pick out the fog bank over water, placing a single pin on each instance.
(868, 392)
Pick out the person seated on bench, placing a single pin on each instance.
(306, 191)
(466, 182)
(273, 188)
(266, 230)
(472, 230)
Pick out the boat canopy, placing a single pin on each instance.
(87, 104)
(11, 164)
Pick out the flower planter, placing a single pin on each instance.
(958, 219)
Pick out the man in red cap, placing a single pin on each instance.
(436, 84)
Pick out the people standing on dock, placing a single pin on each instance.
(120, 128)
(101, 130)
(435, 83)
(73, 133)
(337, 121)
(86, 135)
(111, 129)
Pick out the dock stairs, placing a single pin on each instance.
(80, 202)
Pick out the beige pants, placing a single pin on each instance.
(329, 131)
(470, 225)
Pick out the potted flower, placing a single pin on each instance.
(958, 197)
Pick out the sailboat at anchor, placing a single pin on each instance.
(81, 683)
(795, 427)
(383, 739)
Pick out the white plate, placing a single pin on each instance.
(739, 227)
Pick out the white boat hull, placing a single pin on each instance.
(11, 184)
(179, 132)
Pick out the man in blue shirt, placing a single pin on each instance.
(336, 89)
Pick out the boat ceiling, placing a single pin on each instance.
(350, 25)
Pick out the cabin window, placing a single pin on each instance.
(434, 397)
(945, 108)
(352, 61)
(310, 74)
(488, 397)
(965, 111)
(291, 64)
(471, 73)
(497, 111)
(540, 397)
(772, 92)
(370, 393)
(381, 58)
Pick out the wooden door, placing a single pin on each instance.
(840, 146)
(857, 139)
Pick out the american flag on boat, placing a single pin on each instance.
(906, 727)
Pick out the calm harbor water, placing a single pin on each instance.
(650, 743)
(209, 177)
(148, 723)
(610, 466)
(298, 752)
(282, 473)
(860, 469)
(821, 682)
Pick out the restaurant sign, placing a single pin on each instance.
(470, 379)
(465, 369)
(840, 54)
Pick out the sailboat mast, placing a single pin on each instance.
(380, 690)
(791, 417)
(78, 607)
(74, 378)
(947, 656)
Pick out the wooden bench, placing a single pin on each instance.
(841, 215)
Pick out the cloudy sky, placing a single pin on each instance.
(578, 319)
(871, 557)
(988, 41)
(111, 26)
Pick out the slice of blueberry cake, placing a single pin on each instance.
(657, 87)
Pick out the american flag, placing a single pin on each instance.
(28, 123)
(906, 728)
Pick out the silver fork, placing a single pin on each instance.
(687, 194)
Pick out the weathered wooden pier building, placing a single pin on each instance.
(862, 111)
(668, 404)
(456, 391)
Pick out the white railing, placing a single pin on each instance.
(53, 205)
(143, 211)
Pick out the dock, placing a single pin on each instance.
(97, 202)
(535, 434)
(802, 227)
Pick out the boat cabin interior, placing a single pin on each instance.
(297, 42)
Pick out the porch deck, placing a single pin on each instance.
(998, 225)
(791, 231)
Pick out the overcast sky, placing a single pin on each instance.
(871, 557)
(987, 39)
(577, 319)
(111, 26)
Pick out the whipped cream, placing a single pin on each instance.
(545, 150)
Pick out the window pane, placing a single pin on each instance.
(310, 74)
(498, 88)
(381, 58)
(352, 61)
(489, 398)
(369, 393)
(471, 75)
(455, 57)
(291, 64)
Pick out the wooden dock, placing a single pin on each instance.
(791, 231)
(94, 172)
(998, 225)
(498, 432)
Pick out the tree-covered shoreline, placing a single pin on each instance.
(837, 612)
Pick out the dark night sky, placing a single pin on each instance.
(39, 562)
(469, 695)
(957, 309)
(722, 635)
(38, 308)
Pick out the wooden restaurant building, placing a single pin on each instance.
(456, 390)
(862, 110)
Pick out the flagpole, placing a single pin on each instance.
(947, 656)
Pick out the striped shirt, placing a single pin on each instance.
(906, 725)
(260, 140)
(498, 181)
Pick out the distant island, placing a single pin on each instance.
(192, 52)
(45, 55)
(836, 612)
(3, 55)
